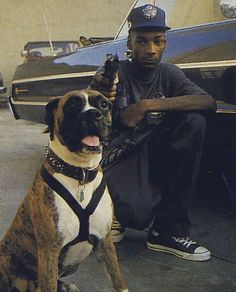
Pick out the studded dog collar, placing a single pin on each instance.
(84, 175)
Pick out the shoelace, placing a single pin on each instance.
(186, 241)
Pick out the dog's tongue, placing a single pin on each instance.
(91, 141)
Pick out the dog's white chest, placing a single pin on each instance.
(69, 224)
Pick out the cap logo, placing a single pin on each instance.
(150, 11)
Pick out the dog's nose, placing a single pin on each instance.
(94, 114)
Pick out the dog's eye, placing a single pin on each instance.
(104, 104)
(70, 108)
(73, 104)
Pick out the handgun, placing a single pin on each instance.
(111, 68)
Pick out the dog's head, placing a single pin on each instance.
(81, 120)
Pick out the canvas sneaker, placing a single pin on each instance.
(182, 247)
(117, 231)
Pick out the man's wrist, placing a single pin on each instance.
(151, 105)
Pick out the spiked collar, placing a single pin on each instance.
(84, 175)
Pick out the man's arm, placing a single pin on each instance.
(134, 113)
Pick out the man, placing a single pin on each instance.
(155, 182)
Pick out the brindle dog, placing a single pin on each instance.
(68, 210)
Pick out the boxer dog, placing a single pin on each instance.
(68, 210)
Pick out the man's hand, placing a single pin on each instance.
(104, 85)
(134, 113)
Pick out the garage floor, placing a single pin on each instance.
(214, 225)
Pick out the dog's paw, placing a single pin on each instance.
(66, 287)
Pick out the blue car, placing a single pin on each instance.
(205, 52)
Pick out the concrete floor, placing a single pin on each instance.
(21, 153)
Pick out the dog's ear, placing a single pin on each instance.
(49, 116)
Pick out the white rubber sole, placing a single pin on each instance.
(200, 257)
(117, 236)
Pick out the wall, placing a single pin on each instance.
(23, 20)
(195, 12)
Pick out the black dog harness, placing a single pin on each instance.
(82, 214)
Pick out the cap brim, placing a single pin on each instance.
(147, 25)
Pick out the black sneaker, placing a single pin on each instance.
(182, 247)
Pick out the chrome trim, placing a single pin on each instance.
(53, 77)
(2, 89)
(17, 90)
(39, 103)
(211, 64)
(10, 105)
(226, 111)
(23, 102)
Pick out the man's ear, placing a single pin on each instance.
(49, 116)
(165, 43)
(129, 45)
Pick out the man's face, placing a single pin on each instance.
(147, 47)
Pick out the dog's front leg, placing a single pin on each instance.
(47, 269)
(43, 217)
(106, 255)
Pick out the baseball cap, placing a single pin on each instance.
(147, 16)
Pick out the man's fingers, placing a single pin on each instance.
(112, 99)
(108, 94)
(98, 78)
(108, 89)
(104, 85)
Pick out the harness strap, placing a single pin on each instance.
(82, 214)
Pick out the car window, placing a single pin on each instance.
(188, 13)
(35, 51)
(45, 50)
